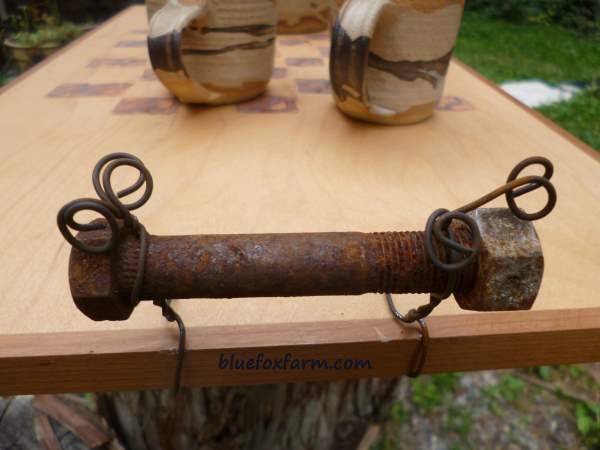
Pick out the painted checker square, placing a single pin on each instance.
(149, 105)
(303, 62)
(89, 90)
(269, 104)
(279, 72)
(149, 75)
(313, 86)
(116, 62)
(454, 104)
(131, 44)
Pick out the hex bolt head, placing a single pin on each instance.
(93, 283)
(510, 265)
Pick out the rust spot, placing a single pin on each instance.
(203, 262)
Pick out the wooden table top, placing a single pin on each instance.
(286, 162)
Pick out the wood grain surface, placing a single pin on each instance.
(286, 162)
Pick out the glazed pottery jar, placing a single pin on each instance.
(213, 51)
(389, 58)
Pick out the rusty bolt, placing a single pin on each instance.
(510, 263)
(304, 264)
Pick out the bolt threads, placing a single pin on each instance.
(405, 267)
(127, 261)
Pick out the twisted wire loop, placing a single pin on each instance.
(458, 256)
(110, 205)
(169, 313)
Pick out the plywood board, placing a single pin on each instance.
(286, 162)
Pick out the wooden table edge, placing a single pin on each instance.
(145, 359)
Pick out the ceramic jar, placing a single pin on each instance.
(389, 58)
(213, 51)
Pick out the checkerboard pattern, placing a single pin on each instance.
(301, 67)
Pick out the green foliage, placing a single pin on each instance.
(574, 371)
(580, 116)
(384, 443)
(588, 423)
(3, 79)
(427, 393)
(505, 51)
(509, 389)
(48, 34)
(8, 26)
(578, 15)
(544, 372)
(398, 414)
(460, 421)
(513, 10)
(40, 25)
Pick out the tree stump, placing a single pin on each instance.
(315, 416)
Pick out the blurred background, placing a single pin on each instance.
(546, 53)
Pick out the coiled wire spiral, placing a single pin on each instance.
(109, 205)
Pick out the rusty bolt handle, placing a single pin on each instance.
(115, 262)
(254, 265)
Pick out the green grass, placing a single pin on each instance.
(580, 116)
(430, 392)
(6, 75)
(504, 51)
(49, 34)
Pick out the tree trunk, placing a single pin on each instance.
(315, 416)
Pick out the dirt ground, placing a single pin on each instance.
(542, 408)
